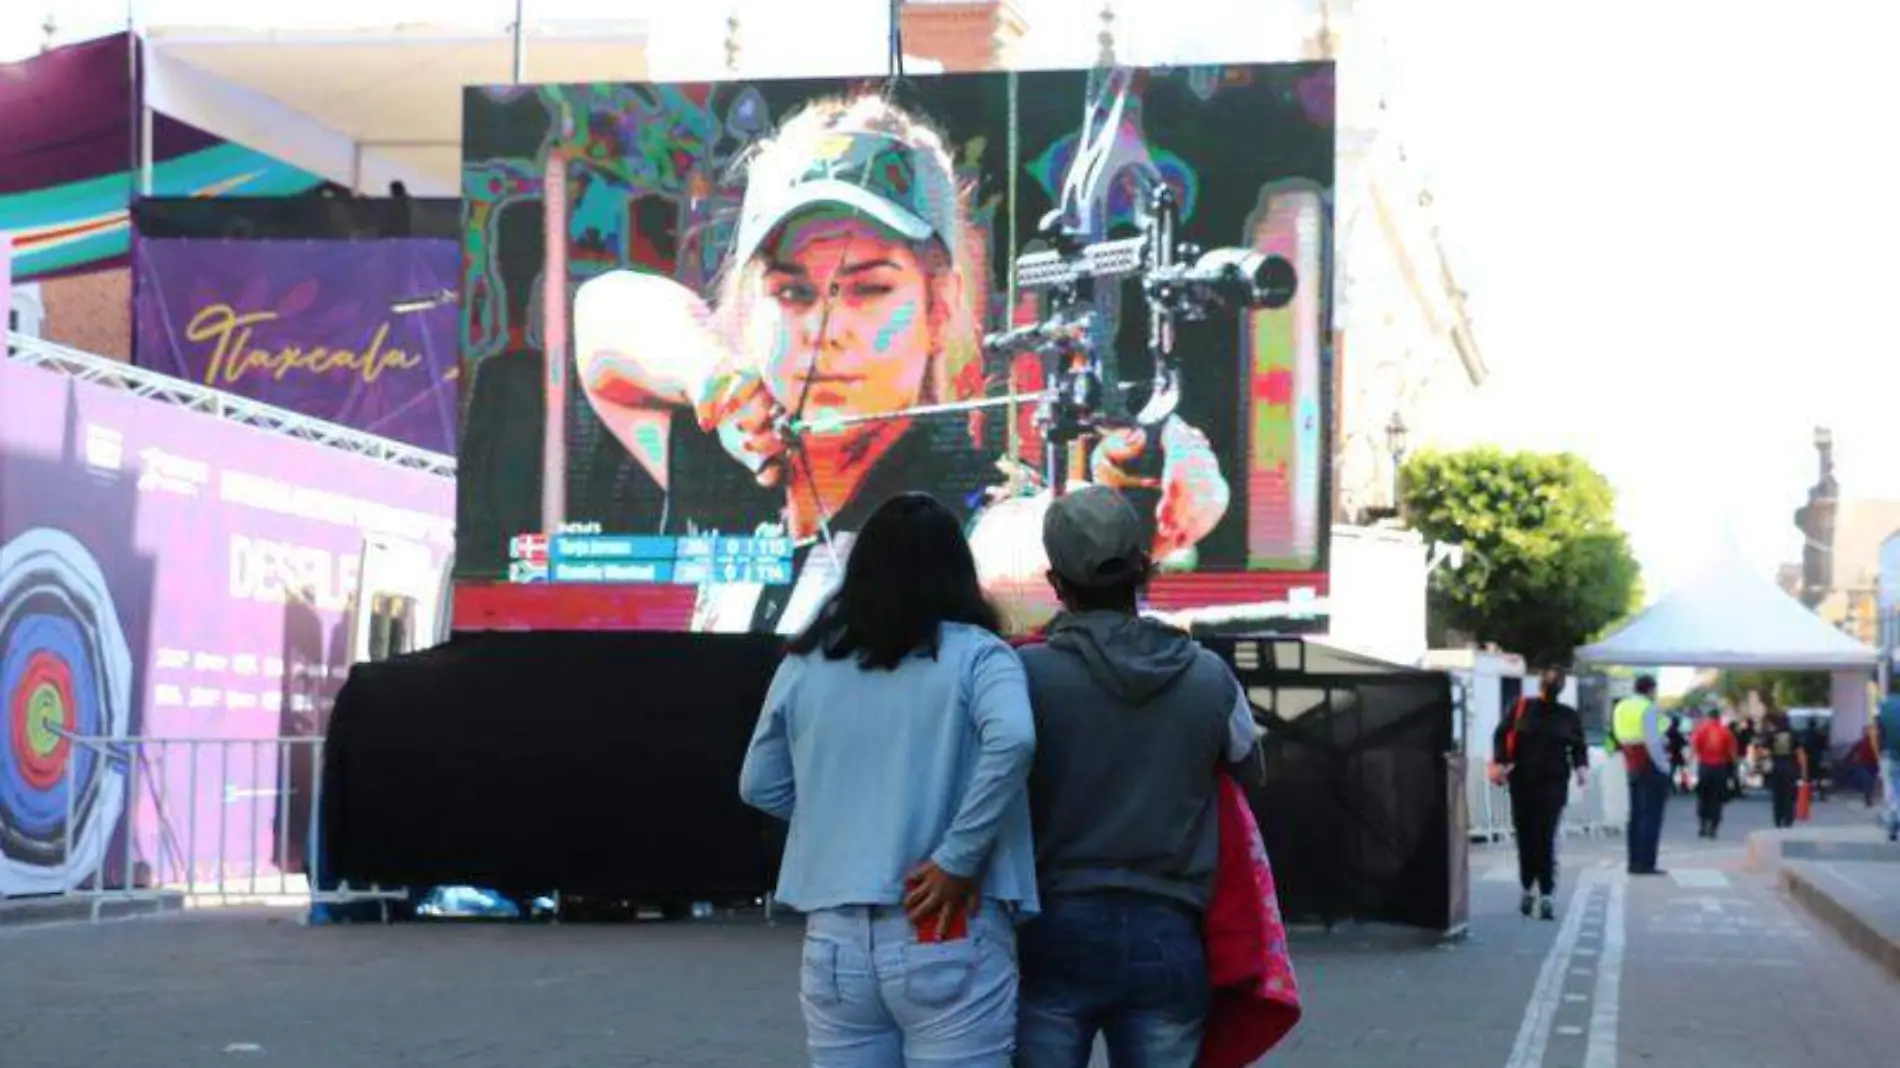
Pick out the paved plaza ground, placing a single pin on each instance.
(1711, 965)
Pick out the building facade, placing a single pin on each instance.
(1408, 362)
(1850, 550)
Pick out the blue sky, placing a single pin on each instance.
(1675, 217)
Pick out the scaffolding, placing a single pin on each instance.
(150, 385)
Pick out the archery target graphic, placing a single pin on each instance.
(65, 669)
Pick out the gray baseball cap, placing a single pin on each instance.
(1095, 538)
(895, 183)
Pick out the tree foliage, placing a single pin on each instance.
(1546, 568)
(1788, 689)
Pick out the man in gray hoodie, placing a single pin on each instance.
(1134, 720)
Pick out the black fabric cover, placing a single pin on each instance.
(1358, 807)
(607, 765)
(594, 764)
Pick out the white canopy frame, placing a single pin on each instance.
(1731, 616)
(367, 107)
(363, 109)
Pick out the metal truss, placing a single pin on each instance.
(165, 389)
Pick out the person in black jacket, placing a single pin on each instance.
(1537, 747)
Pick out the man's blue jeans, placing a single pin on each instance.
(1130, 967)
(1649, 796)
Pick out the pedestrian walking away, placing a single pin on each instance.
(1715, 755)
(1636, 726)
(1779, 746)
(1537, 748)
(1134, 723)
(897, 739)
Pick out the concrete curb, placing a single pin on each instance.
(1873, 943)
(59, 908)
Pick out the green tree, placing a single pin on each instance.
(1546, 568)
(1788, 689)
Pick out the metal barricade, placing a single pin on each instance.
(1600, 808)
(198, 822)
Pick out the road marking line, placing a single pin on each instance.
(1570, 1030)
(1698, 878)
(1600, 1052)
(1533, 1034)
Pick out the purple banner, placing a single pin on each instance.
(318, 327)
(171, 575)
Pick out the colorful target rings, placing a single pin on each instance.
(42, 714)
(65, 673)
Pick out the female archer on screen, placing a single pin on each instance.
(846, 305)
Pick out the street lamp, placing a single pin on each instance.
(1396, 433)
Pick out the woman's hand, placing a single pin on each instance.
(1194, 493)
(933, 896)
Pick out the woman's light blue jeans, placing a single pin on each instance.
(875, 997)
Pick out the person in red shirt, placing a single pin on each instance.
(1715, 755)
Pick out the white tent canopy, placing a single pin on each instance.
(366, 106)
(1730, 617)
(364, 109)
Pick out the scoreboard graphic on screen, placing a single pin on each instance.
(650, 559)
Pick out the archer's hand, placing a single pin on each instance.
(642, 341)
(1194, 493)
(746, 417)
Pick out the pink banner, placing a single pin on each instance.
(168, 574)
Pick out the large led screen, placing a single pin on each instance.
(708, 327)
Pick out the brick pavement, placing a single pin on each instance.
(1707, 951)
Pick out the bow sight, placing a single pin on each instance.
(1180, 282)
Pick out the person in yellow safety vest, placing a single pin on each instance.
(1636, 725)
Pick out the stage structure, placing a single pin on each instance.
(181, 594)
(1120, 275)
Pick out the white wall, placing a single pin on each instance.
(1378, 593)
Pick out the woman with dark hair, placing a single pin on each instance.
(897, 739)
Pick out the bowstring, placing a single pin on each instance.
(795, 444)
